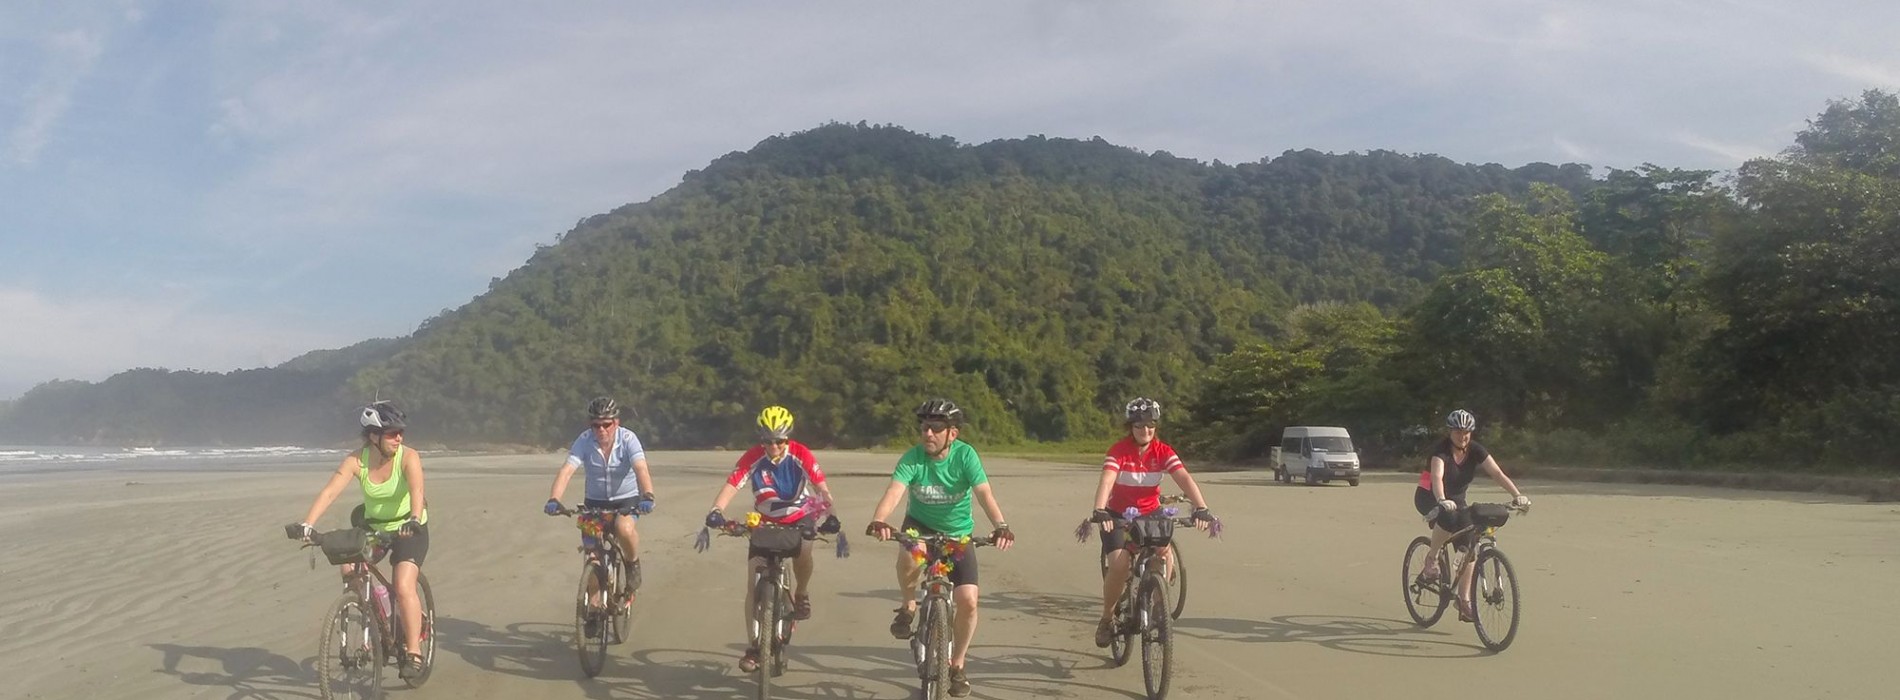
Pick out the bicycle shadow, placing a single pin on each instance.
(685, 674)
(538, 650)
(1359, 635)
(252, 673)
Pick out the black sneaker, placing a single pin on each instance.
(900, 625)
(959, 682)
(633, 575)
(591, 627)
(1104, 634)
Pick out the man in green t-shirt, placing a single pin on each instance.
(940, 477)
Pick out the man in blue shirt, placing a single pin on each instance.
(616, 473)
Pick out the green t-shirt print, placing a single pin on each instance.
(940, 490)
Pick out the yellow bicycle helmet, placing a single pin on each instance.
(775, 423)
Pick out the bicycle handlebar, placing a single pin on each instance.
(583, 509)
(899, 537)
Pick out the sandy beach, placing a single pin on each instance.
(179, 584)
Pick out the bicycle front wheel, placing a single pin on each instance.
(936, 634)
(590, 617)
(1178, 581)
(1426, 599)
(622, 603)
(1157, 635)
(1121, 646)
(426, 643)
(764, 632)
(1495, 590)
(350, 652)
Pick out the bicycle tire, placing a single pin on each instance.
(427, 597)
(784, 625)
(764, 625)
(1178, 582)
(936, 634)
(1157, 635)
(366, 654)
(1494, 586)
(1425, 603)
(1121, 645)
(592, 649)
(622, 612)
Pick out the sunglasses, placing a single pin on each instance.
(775, 441)
(392, 433)
(608, 424)
(931, 426)
(1143, 426)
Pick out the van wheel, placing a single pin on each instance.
(1354, 482)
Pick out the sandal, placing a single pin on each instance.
(411, 666)
(801, 607)
(750, 661)
(900, 625)
(1466, 611)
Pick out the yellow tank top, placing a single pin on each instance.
(385, 505)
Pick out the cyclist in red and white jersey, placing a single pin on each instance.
(1131, 479)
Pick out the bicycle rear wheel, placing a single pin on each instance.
(1121, 646)
(427, 640)
(936, 636)
(1425, 599)
(764, 626)
(1178, 581)
(350, 652)
(1497, 603)
(592, 647)
(1157, 635)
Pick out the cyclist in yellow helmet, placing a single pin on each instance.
(787, 488)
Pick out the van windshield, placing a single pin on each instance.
(1330, 444)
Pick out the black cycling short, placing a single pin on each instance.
(414, 548)
(1452, 521)
(963, 569)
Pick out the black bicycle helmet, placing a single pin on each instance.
(1141, 409)
(603, 408)
(940, 409)
(381, 416)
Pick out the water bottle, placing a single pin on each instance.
(381, 594)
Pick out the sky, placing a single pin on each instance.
(225, 185)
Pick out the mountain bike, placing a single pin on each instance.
(930, 640)
(603, 606)
(1142, 609)
(1176, 573)
(362, 632)
(1495, 603)
(770, 624)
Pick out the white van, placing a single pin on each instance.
(1315, 455)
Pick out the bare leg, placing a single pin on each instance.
(1113, 581)
(801, 569)
(409, 605)
(965, 624)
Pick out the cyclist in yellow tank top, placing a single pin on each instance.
(390, 477)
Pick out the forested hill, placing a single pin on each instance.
(848, 272)
(851, 271)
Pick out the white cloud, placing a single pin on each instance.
(69, 56)
(90, 339)
(1870, 73)
(1732, 152)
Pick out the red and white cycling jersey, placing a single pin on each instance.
(1139, 474)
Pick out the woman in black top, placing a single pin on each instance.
(1455, 461)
